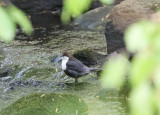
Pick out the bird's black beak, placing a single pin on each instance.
(59, 58)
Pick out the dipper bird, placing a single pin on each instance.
(73, 67)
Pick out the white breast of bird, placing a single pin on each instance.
(64, 62)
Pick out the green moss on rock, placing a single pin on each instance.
(47, 104)
(87, 56)
(38, 73)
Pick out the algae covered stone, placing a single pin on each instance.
(47, 104)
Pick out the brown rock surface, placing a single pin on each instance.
(123, 15)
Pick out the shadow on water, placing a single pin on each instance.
(46, 20)
(44, 24)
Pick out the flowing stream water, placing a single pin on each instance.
(29, 70)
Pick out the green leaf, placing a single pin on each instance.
(20, 18)
(76, 7)
(156, 82)
(139, 35)
(141, 100)
(155, 43)
(114, 71)
(7, 32)
(156, 78)
(107, 2)
(142, 68)
(65, 16)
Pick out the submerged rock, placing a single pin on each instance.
(47, 104)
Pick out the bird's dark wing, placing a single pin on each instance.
(76, 65)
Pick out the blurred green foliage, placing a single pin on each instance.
(116, 68)
(142, 39)
(10, 16)
(107, 2)
(74, 8)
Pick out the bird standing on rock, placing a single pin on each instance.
(73, 67)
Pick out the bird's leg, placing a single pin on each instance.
(76, 80)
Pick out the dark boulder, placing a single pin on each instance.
(114, 38)
(37, 5)
(122, 16)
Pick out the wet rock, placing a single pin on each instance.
(89, 57)
(38, 73)
(96, 18)
(47, 104)
(93, 20)
(123, 15)
(74, 40)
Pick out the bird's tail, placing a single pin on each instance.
(95, 69)
(98, 70)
